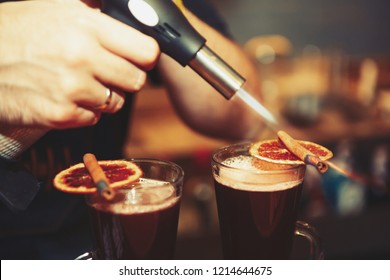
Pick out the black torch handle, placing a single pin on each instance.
(162, 20)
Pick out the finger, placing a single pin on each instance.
(85, 118)
(110, 101)
(83, 90)
(69, 117)
(116, 71)
(113, 102)
(126, 41)
(117, 104)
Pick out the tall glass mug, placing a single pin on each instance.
(141, 221)
(257, 208)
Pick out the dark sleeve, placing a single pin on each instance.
(208, 13)
(17, 186)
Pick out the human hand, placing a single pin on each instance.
(58, 58)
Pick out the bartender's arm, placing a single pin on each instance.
(199, 105)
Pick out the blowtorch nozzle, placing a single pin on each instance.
(217, 72)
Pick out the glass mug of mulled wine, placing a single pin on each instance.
(257, 206)
(141, 221)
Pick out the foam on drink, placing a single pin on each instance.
(243, 173)
(144, 196)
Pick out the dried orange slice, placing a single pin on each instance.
(276, 152)
(76, 178)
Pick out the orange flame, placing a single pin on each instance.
(349, 174)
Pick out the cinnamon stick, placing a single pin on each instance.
(301, 152)
(98, 176)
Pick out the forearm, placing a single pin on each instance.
(198, 103)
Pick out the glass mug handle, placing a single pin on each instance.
(303, 229)
(87, 256)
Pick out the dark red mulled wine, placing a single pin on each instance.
(133, 231)
(257, 209)
(141, 221)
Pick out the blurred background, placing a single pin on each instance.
(356, 26)
(324, 67)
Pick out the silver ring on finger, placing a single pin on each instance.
(106, 102)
